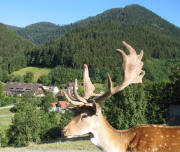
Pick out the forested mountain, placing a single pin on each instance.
(96, 45)
(12, 47)
(94, 40)
(13, 28)
(39, 33)
(44, 32)
(133, 15)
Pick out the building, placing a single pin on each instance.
(17, 88)
(60, 106)
(52, 89)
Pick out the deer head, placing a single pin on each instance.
(82, 124)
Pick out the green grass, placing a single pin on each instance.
(35, 70)
(78, 144)
(5, 118)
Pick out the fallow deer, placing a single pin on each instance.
(89, 119)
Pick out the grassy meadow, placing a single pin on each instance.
(5, 118)
(73, 144)
(35, 70)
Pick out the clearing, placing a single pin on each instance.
(35, 70)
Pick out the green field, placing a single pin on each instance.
(35, 70)
(5, 118)
(78, 144)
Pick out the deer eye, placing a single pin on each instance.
(84, 115)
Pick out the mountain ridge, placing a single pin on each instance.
(129, 15)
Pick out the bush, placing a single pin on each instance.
(139, 104)
(16, 78)
(3, 138)
(159, 97)
(28, 77)
(25, 126)
(127, 108)
(32, 123)
(44, 79)
(52, 124)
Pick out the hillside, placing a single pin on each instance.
(133, 15)
(39, 33)
(13, 28)
(100, 41)
(12, 47)
(95, 45)
(44, 32)
(35, 70)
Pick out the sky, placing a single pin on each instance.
(25, 12)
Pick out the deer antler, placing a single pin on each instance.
(133, 73)
(88, 86)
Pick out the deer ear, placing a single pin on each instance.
(97, 108)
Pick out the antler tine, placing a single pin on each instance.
(69, 94)
(88, 86)
(132, 66)
(130, 48)
(76, 103)
(133, 72)
(77, 95)
(88, 90)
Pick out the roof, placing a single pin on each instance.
(63, 104)
(12, 86)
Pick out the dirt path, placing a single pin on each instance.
(6, 107)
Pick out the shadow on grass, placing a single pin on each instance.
(63, 139)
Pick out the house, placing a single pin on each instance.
(60, 106)
(17, 88)
(53, 89)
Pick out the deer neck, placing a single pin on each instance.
(107, 138)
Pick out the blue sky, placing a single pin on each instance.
(24, 12)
